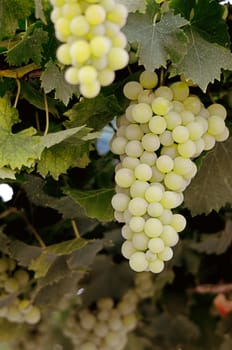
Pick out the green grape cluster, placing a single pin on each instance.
(161, 132)
(93, 45)
(106, 326)
(13, 281)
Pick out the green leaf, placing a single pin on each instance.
(10, 12)
(215, 243)
(36, 98)
(134, 5)
(6, 173)
(158, 42)
(19, 149)
(29, 48)
(212, 186)
(95, 113)
(97, 203)
(59, 158)
(203, 61)
(53, 79)
(205, 17)
(41, 264)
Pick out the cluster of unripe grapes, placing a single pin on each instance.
(14, 280)
(158, 137)
(93, 44)
(106, 326)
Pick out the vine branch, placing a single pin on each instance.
(212, 288)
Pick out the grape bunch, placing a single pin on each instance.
(158, 137)
(13, 281)
(93, 45)
(106, 326)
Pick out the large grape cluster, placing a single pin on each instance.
(93, 44)
(13, 281)
(158, 137)
(106, 326)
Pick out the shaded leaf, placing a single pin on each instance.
(95, 113)
(52, 78)
(6, 173)
(29, 48)
(41, 264)
(207, 192)
(23, 253)
(157, 42)
(215, 243)
(134, 5)
(161, 281)
(206, 17)
(203, 61)
(97, 203)
(9, 330)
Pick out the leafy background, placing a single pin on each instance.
(59, 224)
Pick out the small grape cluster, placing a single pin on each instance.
(12, 281)
(93, 44)
(106, 327)
(162, 130)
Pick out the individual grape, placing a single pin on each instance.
(118, 15)
(87, 75)
(95, 14)
(117, 58)
(90, 90)
(183, 166)
(164, 163)
(138, 262)
(166, 138)
(130, 162)
(195, 130)
(148, 80)
(192, 104)
(100, 45)
(140, 241)
(154, 193)
(178, 222)
(217, 109)
(134, 148)
(166, 254)
(187, 149)
(134, 132)
(137, 206)
(124, 177)
(148, 158)
(156, 266)
(143, 172)
(173, 119)
(171, 199)
(72, 75)
(146, 96)
(161, 105)
(142, 113)
(169, 236)
(132, 89)
(155, 209)
(216, 125)
(80, 51)
(209, 141)
(156, 245)
(22, 277)
(63, 54)
(153, 227)
(223, 136)
(180, 90)
(180, 134)
(118, 145)
(187, 117)
(174, 182)
(150, 142)
(79, 26)
(157, 124)
(33, 315)
(136, 223)
(120, 202)
(164, 91)
(71, 10)
(138, 188)
(127, 233)
(166, 216)
(127, 249)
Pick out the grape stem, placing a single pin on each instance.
(18, 93)
(75, 229)
(46, 114)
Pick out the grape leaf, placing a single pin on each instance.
(53, 79)
(205, 17)
(95, 113)
(6, 173)
(58, 159)
(29, 48)
(157, 42)
(44, 261)
(212, 186)
(23, 253)
(134, 5)
(36, 98)
(203, 61)
(215, 243)
(10, 12)
(97, 203)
